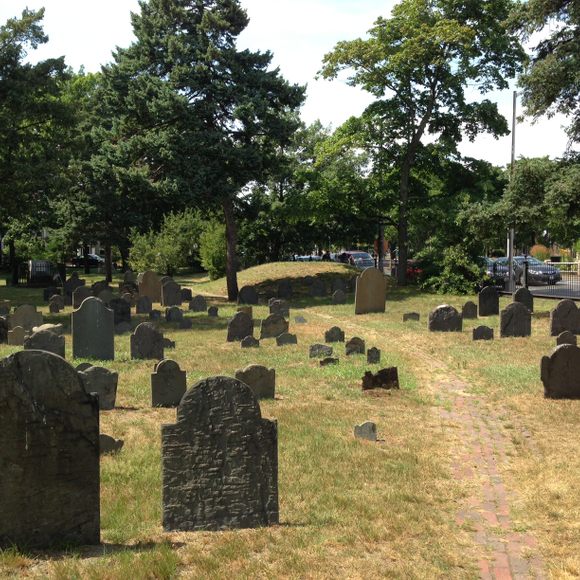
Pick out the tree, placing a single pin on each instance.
(418, 64)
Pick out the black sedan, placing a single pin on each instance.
(538, 272)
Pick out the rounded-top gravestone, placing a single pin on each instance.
(273, 326)
(560, 373)
(248, 295)
(488, 301)
(565, 316)
(93, 330)
(445, 318)
(240, 326)
(515, 320)
(370, 293)
(198, 304)
(525, 297)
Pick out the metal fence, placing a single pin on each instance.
(568, 286)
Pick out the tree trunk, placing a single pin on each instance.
(403, 225)
(13, 262)
(231, 244)
(108, 263)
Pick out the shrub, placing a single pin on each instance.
(212, 249)
(540, 252)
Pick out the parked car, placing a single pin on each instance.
(538, 272)
(356, 258)
(94, 261)
(501, 267)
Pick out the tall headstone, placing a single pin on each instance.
(488, 301)
(445, 318)
(81, 293)
(273, 326)
(240, 326)
(168, 384)
(370, 294)
(248, 295)
(220, 460)
(515, 320)
(565, 316)
(147, 342)
(560, 373)
(49, 488)
(150, 286)
(525, 297)
(170, 293)
(45, 340)
(25, 316)
(93, 330)
(260, 379)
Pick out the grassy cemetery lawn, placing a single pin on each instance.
(348, 508)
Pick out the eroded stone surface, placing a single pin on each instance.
(560, 373)
(198, 304)
(319, 350)
(367, 430)
(488, 301)
(168, 384)
(515, 320)
(273, 326)
(147, 342)
(370, 293)
(103, 382)
(173, 314)
(240, 326)
(334, 334)
(260, 379)
(25, 316)
(445, 318)
(355, 345)
(45, 340)
(384, 379)
(373, 356)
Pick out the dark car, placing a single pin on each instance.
(501, 266)
(356, 258)
(538, 272)
(94, 261)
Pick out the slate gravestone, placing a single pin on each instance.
(483, 333)
(3, 330)
(300, 320)
(16, 336)
(525, 297)
(285, 289)
(469, 310)
(564, 317)
(49, 488)
(240, 326)
(445, 318)
(566, 337)
(103, 382)
(45, 340)
(106, 295)
(213, 311)
(70, 286)
(121, 310)
(50, 291)
(198, 304)
(328, 360)
(355, 345)
(318, 288)
(150, 286)
(338, 297)
(129, 276)
(366, 431)
(168, 384)
(278, 306)
(155, 315)
(319, 350)
(247, 295)
(220, 460)
(173, 314)
(170, 293)
(93, 330)
(99, 286)
(164, 279)
(143, 305)
(247, 309)
(286, 338)
(81, 293)
(334, 334)
(55, 304)
(373, 356)
(384, 379)
(515, 320)
(25, 316)
(415, 316)
(488, 301)
(186, 295)
(339, 284)
(129, 299)
(260, 379)
(250, 342)
(560, 373)
(108, 444)
(370, 293)
(273, 326)
(147, 342)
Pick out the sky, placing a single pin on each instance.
(298, 33)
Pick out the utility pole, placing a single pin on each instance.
(511, 232)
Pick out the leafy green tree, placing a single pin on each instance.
(212, 248)
(417, 64)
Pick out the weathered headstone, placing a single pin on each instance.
(339, 284)
(213, 312)
(247, 295)
(384, 379)
(240, 326)
(16, 336)
(106, 295)
(273, 326)
(515, 320)
(250, 342)
(328, 360)
(81, 293)
(285, 289)
(566, 337)
(93, 330)
(469, 310)
(168, 384)
(370, 293)
(355, 345)
(483, 333)
(373, 356)
(220, 460)
(318, 288)
(143, 305)
(366, 431)
(525, 297)
(560, 373)
(173, 314)
(25, 316)
(147, 342)
(55, 304)
(70, 286)
(319, 350)
(565, 316)
(198, 304)
(445, 318)
(338, 297)
(488, 301)
(49, 488)
(411, 316)
(121, 310)
(260, 379)
(286, 338)
(170, 293)
(103, 382)
(108, 444)
(150, 286)
(45, 340)
(155, 315)
(279, 306)
(334, 334)
(186, 295)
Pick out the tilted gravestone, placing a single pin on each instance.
(334, 334)
(103, 382)
(143, 305)
(55, 304)
(525, 297)
(566, 337)
(273, 326)
(260, 379)
(170, 293)
(198, 304)
(173, 314)
(279, 306)
(16, 336)
(515, 320)
(93, 330)
(150, 285)
(213, 311)
(370, 293)
(373, 356)
(49, 488)
(248, 295)
(285, 289)
(147, 342)
(338, 297)
(250, 342)
(415, 316)
(25, 316)
(220, 460)
(45, 340)
(384, 379)
(482, 333)
(81, 293)
(186, 295)
(121, 310)
(286, 338)
(565, 316)
(355, 345)
(469, 310)
(560, 373)
(168, 384)
(240, 326)
(488, 301)
(318, 288)
(319, 350)
(445, 318)
(366, 431)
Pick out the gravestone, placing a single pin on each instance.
(240, 326)
(45, 340)
(488, 301)
(219, 460)
(5, 307)
(170, 293)
(103, 382)
(198, 304)
(155, 315)
(370, 293)
(129, 276)
(260, 379)
(55, 304)
(250, 342)
(81, 293)
(483, 333)
(525, 297)
(373, 356)
(338, 297)
(213, 311)
(560, 373)
(3, 330)
(248, 295)
(566, 337)
(25, 316)
(106, 295)
(319, 350)
(469, 310)
(565, 316)
(186, 295)
(49, 487)
(278, 306)
(286, 338)
(339, 284)
(334, 334)
(355, 345)
(384, 379)
(173, 314)
(99, 286)
(50, 291)
(129, 299)
(83, 366)
(366, 431)
(70, 286)
(273, 326)
(515, 320)
(415, 316)
(328, 360)
(247, 309)
(445, 318)
(108, 444)
(150, 286)
(147, 342)
(93, 330)
(285, 289)
(121, 311)
(16, 336)
(143, 305)
(318, 288)
(168, 384)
